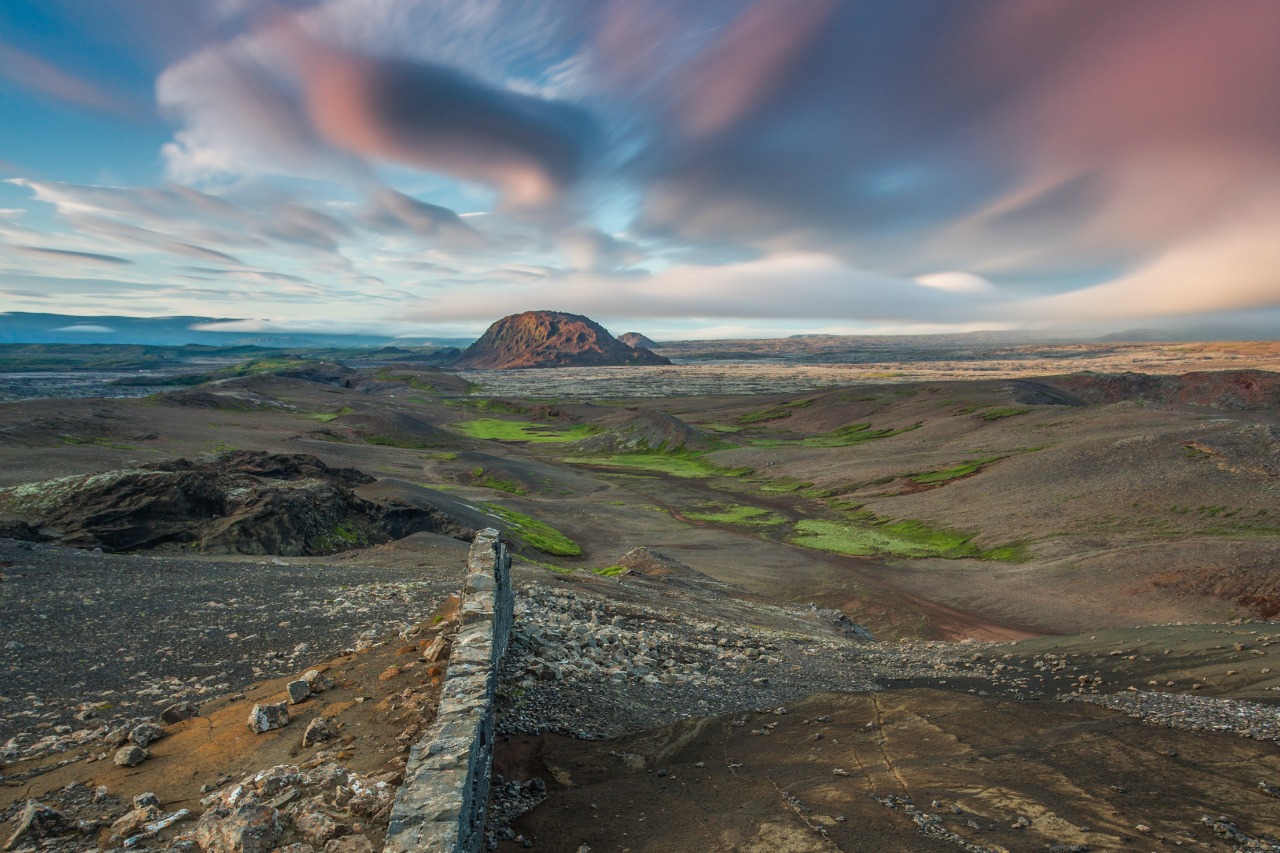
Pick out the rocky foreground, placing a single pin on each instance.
(612, 692)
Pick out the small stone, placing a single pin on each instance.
(389, 673)
(148, 799)
(145, 734)
(298, 690)
(264, 718)
(316, 680)
(179, 711)
(131, 756)
(319, 730)
(101, 793)
(316, 826)
(133, 822)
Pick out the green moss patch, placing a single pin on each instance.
(1002, 412)
(955, 472)
(499, 430)
(750, 516)
(325, 417)
(776, 413)
(534, 533)
(610, 571)
(848, 436)
(884, 537)
(501, 484)
(396, 441)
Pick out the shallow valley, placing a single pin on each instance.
(867, 537)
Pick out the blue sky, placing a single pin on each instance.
(687, 169)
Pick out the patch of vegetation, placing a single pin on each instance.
(498, 430)
(776, 413)
(751, 516)
(485, 404)
(955, 472)
(395, 441)
(610, 571)
(999, 412)
(441, 455)
(551, 567)
(870, 536)
(325, 417)
(534, 533)
(725, 428)
(1190, 451)
(687, 464)
(784, 485)
(342, 535)
(848, 436)
(491, 481)
(100, 441)
(411, 379)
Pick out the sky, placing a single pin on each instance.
(684, 168)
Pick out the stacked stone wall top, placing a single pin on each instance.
(441, 805)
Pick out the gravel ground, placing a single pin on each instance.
(130, 634)
(596, 668)
(1193, 713)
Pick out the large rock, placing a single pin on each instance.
(248, 829)
(240, 502)
(550, 339)
(35, 821)
(264, 718)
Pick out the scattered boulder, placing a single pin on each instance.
(319, 730)
(135, 821)
(145, 734)
(179, 711)
(298, 691)
(131, 756)
(317, 681)
(264, 718)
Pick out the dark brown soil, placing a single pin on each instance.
(820, 778)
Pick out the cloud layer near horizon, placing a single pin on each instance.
(885, 161)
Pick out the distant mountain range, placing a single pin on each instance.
(31, 328)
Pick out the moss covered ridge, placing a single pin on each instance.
(534, 533)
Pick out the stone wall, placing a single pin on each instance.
(441, 805)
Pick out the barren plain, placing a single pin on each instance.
(845, 600)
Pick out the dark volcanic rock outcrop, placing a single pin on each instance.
(637, 340)
(550, 339)
(242, 502)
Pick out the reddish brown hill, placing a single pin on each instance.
(551, 339)
(1219, 389)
